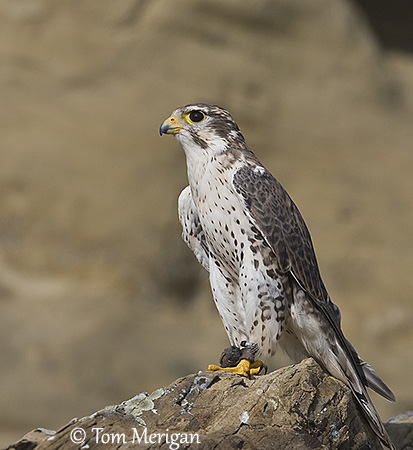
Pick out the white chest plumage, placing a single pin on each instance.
(221, 214)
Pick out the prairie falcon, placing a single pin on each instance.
(246, 231)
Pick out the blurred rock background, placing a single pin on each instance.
(99, 298)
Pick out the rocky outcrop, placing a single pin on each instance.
(297, 407)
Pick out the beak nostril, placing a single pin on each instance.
(170, 126)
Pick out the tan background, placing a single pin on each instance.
(99, 298)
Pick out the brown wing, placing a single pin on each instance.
(279, 220)
(275, 215)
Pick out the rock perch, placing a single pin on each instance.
(296, 407)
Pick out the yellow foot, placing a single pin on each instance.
(244, 368)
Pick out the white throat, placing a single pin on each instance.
(198, 158)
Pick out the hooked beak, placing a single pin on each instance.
(170, 126)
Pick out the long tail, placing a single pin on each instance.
(359, 375)
(358, 385)
(343, 362)
(372, 416)
(373, 381)
(320, 334)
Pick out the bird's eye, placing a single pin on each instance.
(196, 116)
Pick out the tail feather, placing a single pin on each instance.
(319, 332)
(372, 380)
(373, 418)
(359, 375)
(342, 361)
(344, 364)
(375, 383)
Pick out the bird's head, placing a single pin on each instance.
(200, 126)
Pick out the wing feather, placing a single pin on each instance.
(192, 231)
(275, 214)
(279, 220)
